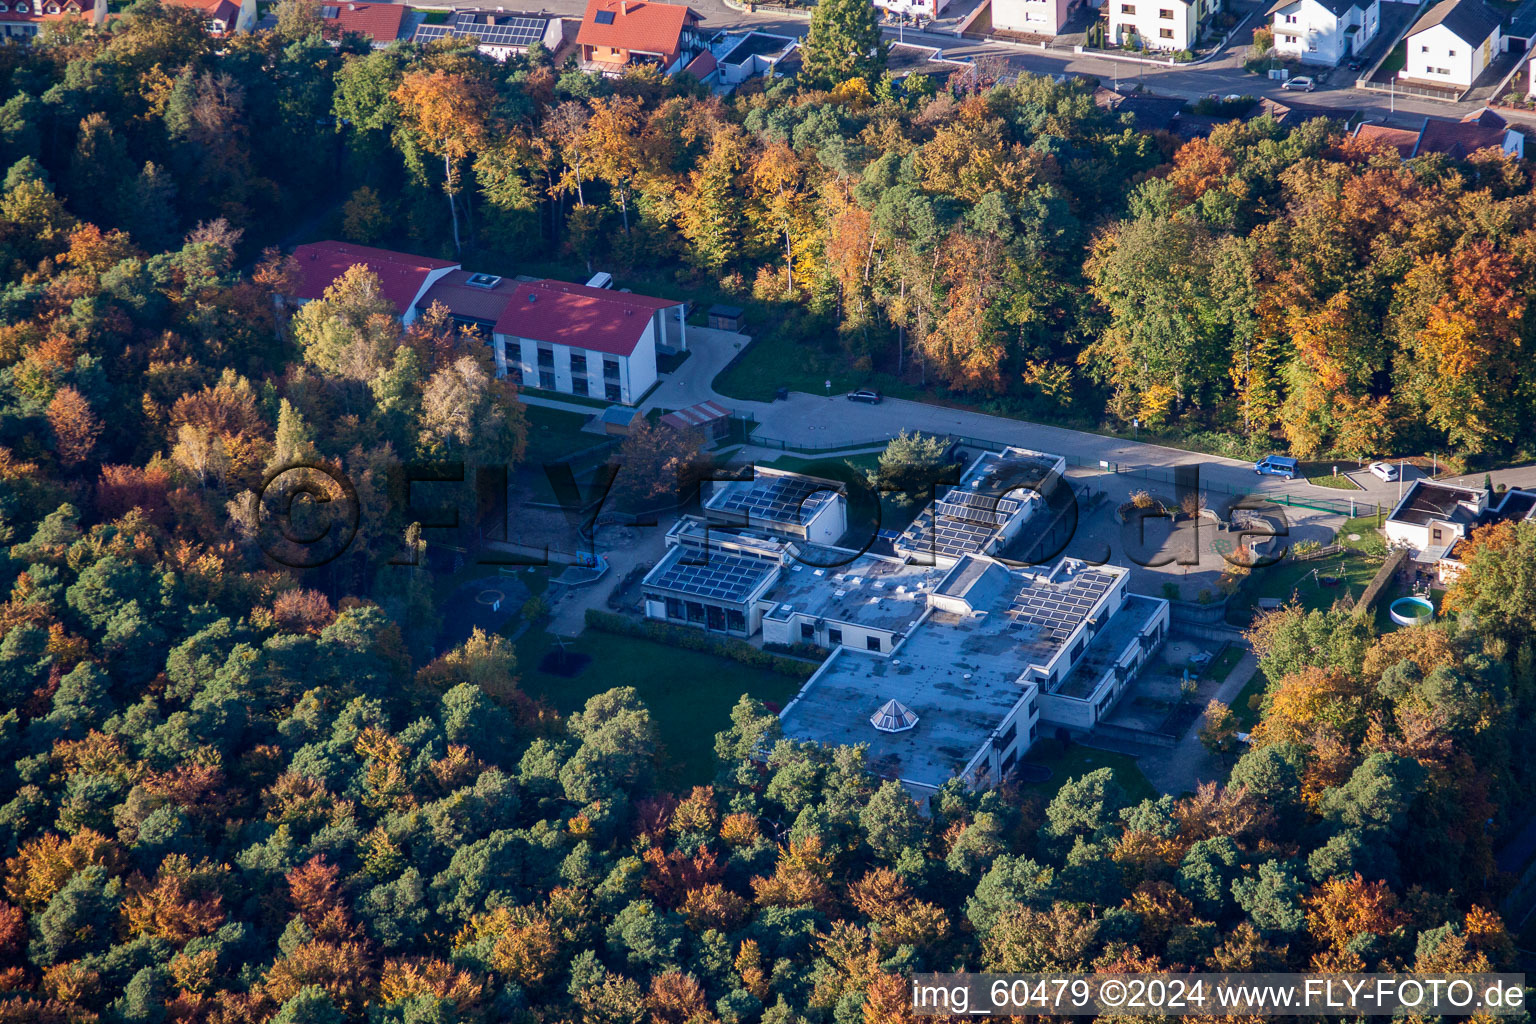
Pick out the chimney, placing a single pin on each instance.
(623, 6)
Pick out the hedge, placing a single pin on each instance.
(698, 640)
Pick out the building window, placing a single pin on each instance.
(807, 632)
(1165, 14)
(579, 386)
(674, 608)
(1165, 33)
(1007, 764)
(835, 637)
(1312, 48)
(716, 620)
(695, 612)
(578, 363)
(1127, 8)
(1290, 19)
(1450, 53)
(611, 369)
(1423, 49)
(613, 393)
(872, 643)
(546, 357)
(1008, 735)
(547, 380)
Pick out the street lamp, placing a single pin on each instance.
(1135, 428)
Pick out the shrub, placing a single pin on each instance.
(1171, 591)
(1183, 57)
(698, 640)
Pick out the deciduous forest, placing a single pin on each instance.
(233, 792)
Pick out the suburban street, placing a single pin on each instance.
(1222, 75)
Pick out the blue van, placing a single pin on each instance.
(1276, 465)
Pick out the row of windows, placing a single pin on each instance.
(24, 7)
(707, 615)
(1448, 53)
(612, 392)
(546, 358)
(1162, 12)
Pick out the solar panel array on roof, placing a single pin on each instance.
(721, 577)
(1058, 610)
(976, 507)
(777, 499)
(499, 31)
(946, 535)
(604, 18)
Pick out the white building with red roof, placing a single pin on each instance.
(21, 20)
(220, 17)
(615, 34)
(580, 340)
(405, 278)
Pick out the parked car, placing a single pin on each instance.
(1386, 470)
(1276, 465)
(1301, 83)
(1354, 64)
(864, 395)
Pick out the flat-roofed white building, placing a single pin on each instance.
(792, 505)
(1035, 17)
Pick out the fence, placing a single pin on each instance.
(1380, 580)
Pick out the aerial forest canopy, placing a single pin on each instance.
(232, 792)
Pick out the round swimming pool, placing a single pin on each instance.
(1411, 611)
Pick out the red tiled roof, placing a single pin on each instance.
(379, 22)
(573, 314)
(1404, 139)
(466, 300)
(402, 274)
(1462, 138)
(637, 25)
(701, 65)
(222, 10)
(37, 10)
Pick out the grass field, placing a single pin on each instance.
(1077, 760)
(554, 434)
(689, 693)
(1367, 528)
(1337, 483)
(1243, 704)
(1292, 579)
(1225, 663)
(773, 362)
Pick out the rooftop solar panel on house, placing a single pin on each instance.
(425, 33)
(721, 577)
(604, 18)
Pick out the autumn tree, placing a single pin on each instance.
(75, 426)
(449, 112)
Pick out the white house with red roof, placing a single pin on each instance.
(580, 340)
(221, 17)
(21, 20)
(617, 33)
(405, 278)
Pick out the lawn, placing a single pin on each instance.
(1243, 705)
(1396, 60)
(1225, 663)
(772, 362)
(689, 693)
(1337, 483)
(1292, 578)
(1368, 529)
(554, 434)
(1077, 760)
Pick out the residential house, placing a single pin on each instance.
(1324, 31)
(379, 23)
(501, 34)
(739, 56)
(616, 34)
(220, 17)
(21, 20)
(1513, 506)
(1160, 24)
(405, 278)
(1482, 129)
(1452, 43)
(582, 340)
(913, 8)
(1031, 17)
